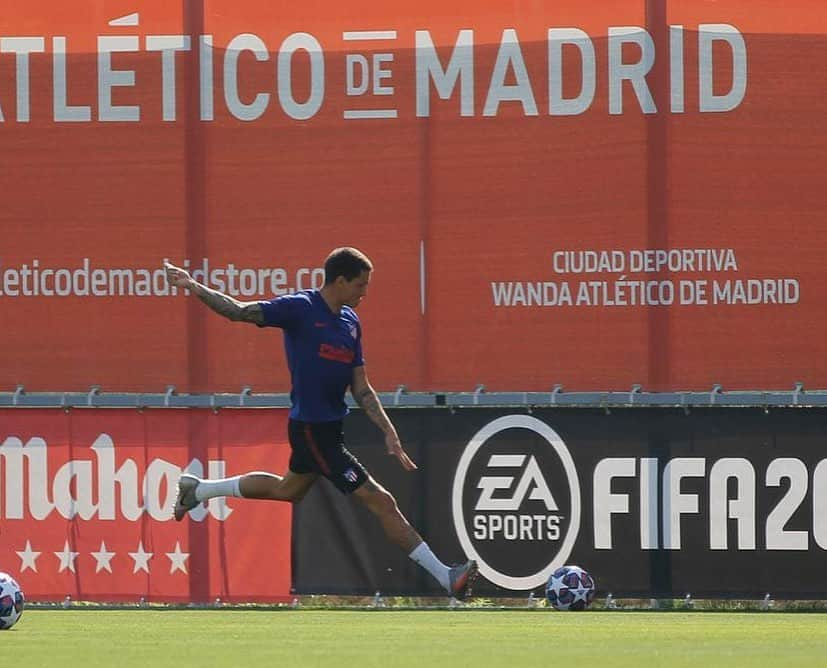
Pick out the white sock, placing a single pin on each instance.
(208, 489)
(428, 560)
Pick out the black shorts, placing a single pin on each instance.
(319, 447)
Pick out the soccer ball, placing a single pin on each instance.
(11, 601)
(570, 588)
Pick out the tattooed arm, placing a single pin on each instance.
(366, 397)
(224, 305)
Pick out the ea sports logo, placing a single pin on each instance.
(516, 501)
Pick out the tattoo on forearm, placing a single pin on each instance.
(228, 307)
(370, 403)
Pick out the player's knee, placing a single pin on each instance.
(294, 496)
(382, 501)
(282, 492)
(271, 488)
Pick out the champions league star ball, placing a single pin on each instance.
(570, 588)
(11, 601)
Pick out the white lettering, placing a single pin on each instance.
(12, 453)
(532, 478)
(557, 104)
(606, 502)
(741, 508)
(205, 77)
(649, 525)
(460, 66)
(779, 538)
(820, 504)
(707, 35)
(676, 89)
(109, 79)
(635, 73)
(510, 55)
(67, 504)
(351, 61)
(516, 527)
(242, 111)
(22, 47)
(379, 73)
(73, 488)
(675, 502)
(301, 110)
(168, 45)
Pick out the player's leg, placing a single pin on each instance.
(302, 473)
(290, 487)
(258, 485)
(254, 485)
(456, 580)
(382, 504)
(325, 443)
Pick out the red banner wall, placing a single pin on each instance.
(251, 138)
(86, 505)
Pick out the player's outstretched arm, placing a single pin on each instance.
(230, 308)
(366, 397)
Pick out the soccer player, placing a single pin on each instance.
(323, 343)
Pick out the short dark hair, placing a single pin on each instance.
(347, 262)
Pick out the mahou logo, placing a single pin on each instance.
(516, 501)
(93, 488)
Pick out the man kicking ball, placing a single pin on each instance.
(323, 344)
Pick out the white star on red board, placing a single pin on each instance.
(103, 559)
(141, 558)
(28, 557)
(178, 558)
(67, 558)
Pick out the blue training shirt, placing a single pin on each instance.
(322, 349)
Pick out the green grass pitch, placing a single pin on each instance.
(423, 639)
